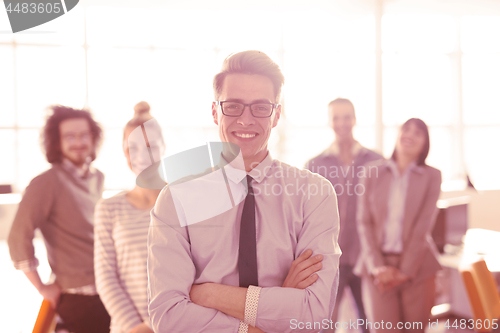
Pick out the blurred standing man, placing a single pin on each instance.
(341, 164)
(60, 202)
(249, 268)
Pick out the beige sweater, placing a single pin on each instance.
(61, 205)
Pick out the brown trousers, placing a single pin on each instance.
(405, 308)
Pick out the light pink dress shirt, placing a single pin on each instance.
(296, 210)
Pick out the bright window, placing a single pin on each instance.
(418, 82)
(417, 86)
(481, 100)
(60, 78)
(481, 156)
(168, 56)
(7, 110)
(481, 88)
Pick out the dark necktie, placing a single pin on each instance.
(247, 258)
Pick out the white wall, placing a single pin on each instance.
(484, 208)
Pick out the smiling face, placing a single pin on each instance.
(342, 120)
(411, 141)
(76, 140)
(249, 133)
(136, 150)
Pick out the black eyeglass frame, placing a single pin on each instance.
(274, 105)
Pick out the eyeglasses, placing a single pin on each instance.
(235, 109)
(72, 137)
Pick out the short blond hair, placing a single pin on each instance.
(250, 62)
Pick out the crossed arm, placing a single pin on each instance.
(175, 305)
(231, 300)
(219, 308)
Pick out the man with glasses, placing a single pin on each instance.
(60, 203)
(269, 263)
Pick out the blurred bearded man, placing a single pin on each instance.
(60, 203)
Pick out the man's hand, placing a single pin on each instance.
(301, 274)
(141, 328)
(231, 300)
(51, 293)
(252, 329)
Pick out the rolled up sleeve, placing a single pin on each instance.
(33, 211)
(171, 273)
(281, 309)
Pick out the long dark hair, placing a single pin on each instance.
(51, 137)
(423, 127)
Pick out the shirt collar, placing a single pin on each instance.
(393, 166)
(418, 169)
(335, 150)
(235, 170)
(78, 172)
(263, 169)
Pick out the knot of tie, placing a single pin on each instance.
(249, 185)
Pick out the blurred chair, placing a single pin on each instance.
(483, 295)
(46, 320)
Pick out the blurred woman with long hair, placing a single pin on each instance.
(397, 210)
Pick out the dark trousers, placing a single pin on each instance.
(83, 314)
(348, 279)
